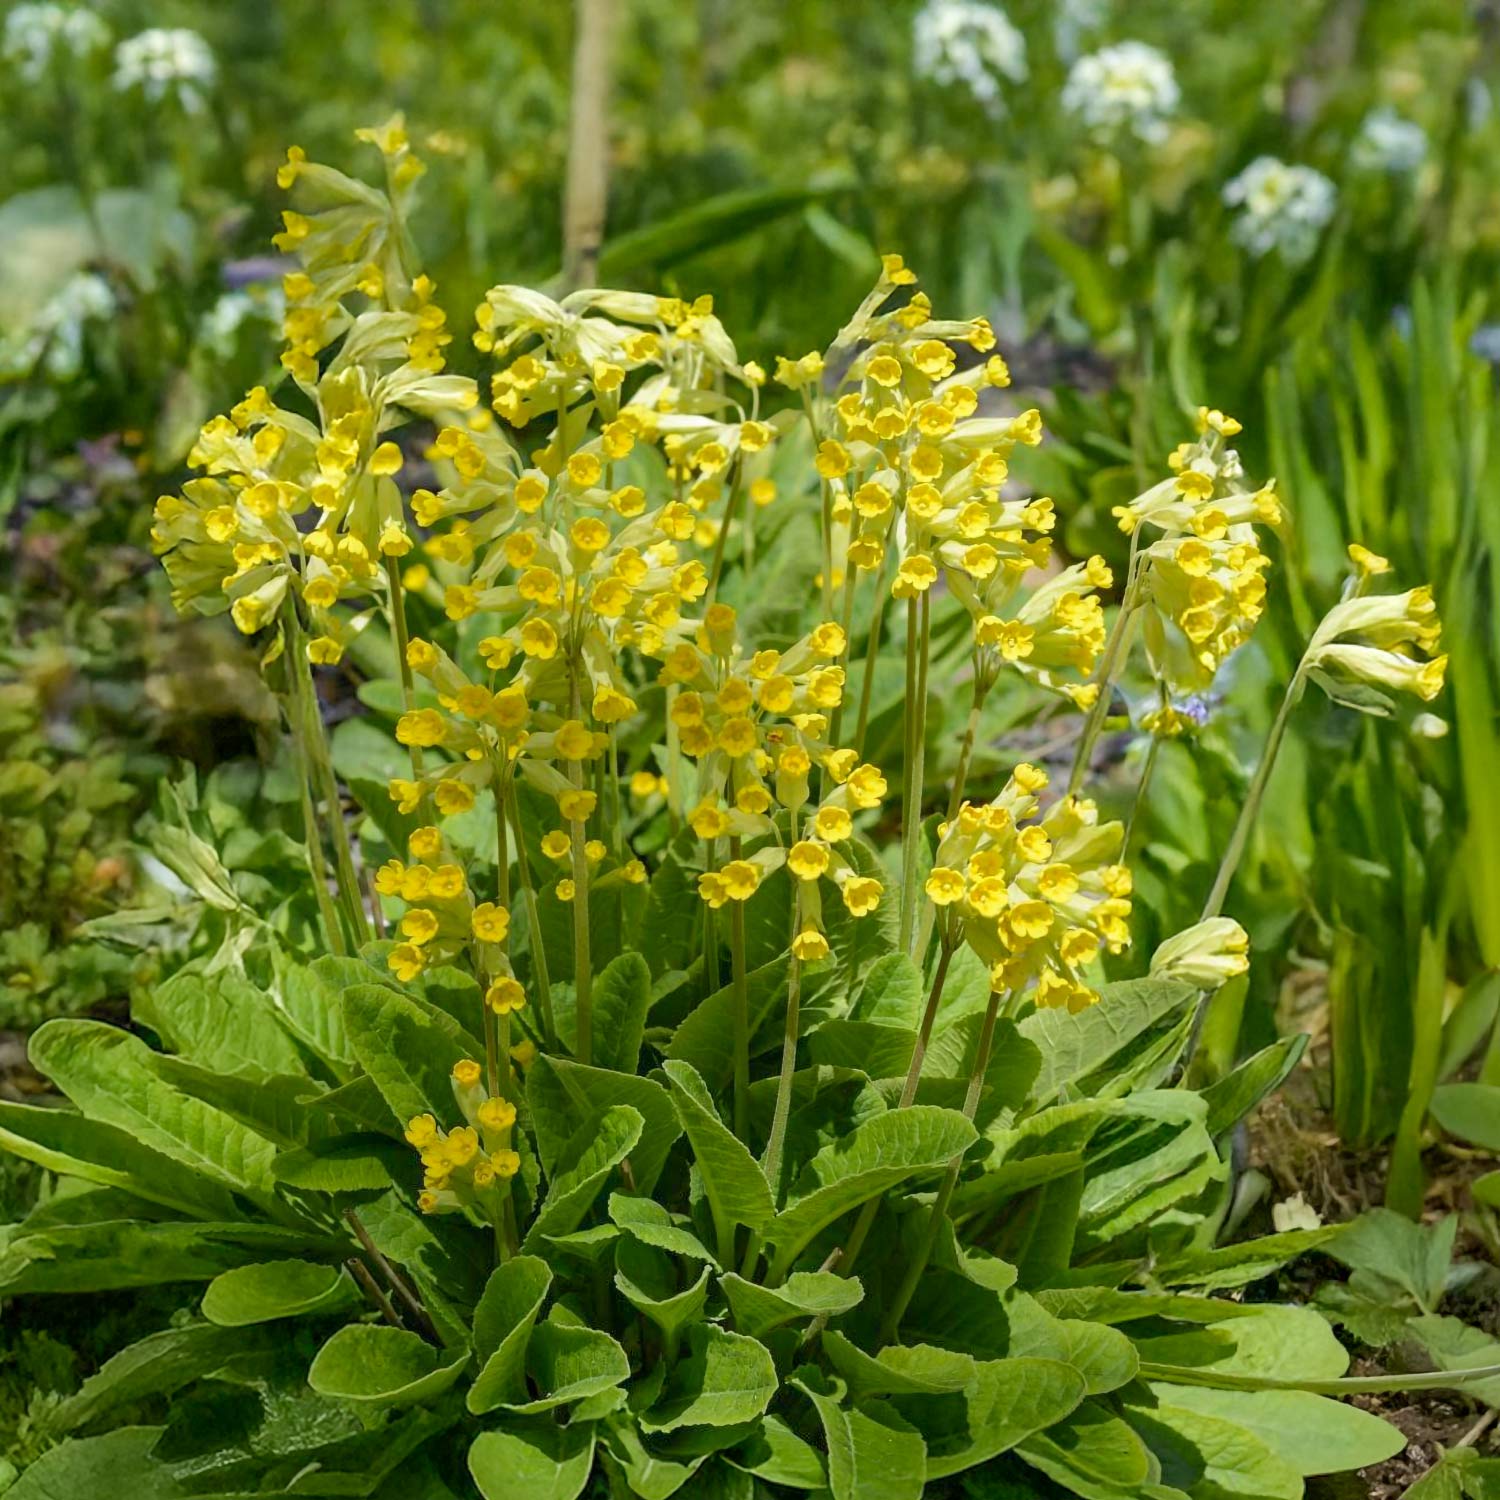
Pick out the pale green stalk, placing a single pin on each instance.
(533, 919)
(1110, 667)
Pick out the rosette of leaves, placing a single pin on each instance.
(674, 1321)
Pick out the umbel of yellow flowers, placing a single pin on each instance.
(579, 518)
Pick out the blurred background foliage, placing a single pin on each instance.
(766, 154)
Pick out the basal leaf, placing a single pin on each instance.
(222, 1022)
(567, 1363)
(275, 1289)
(723, 1379)
(400, 1045)
(109, 1075)
(533, 1460)
(585, 1165)
(651, 1223)
(804, 1294)
(872, 1453)
(381, 1366)
(621, 997)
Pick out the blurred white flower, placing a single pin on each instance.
(1282, 207)
(55, 336)
(164, 61)
(221, 324)
(1129, 87)
(964, 42)
(1387, 143)
(1294, 1213)
(38, 34)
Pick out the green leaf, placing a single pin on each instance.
(891, 994)
(275, 1289)
(722, 1380)
(533, 1460)
(1092, 1452)
(1393, 1256)
(109, 1075)
(594, 1153)
(1009, 1400)
(222, 1022)
(347, 1164)
(872, 1453)
(652, 1224)
(156, 1365)
(621, 998)
(1313, 1434)
(118, 1463)
(645, 1279)
(1104, 1356)
(1075, 1046)
(503, 1321)
(69, 1143)
(1471, 1111)
(1454, 1345)
(880, 1050)
(109, 1256)
(1283, 1343)
(733, 1182)
(563, 1095)
(380, 1366)
(1237, 1265)
(804, 1294)
(777, 1455)
(705, 1039)
(873, 1158)
(1232, 1098)
(400, 1043)
(309, 999)
(899, 1369)
(1207, 1456)
(568, 1363)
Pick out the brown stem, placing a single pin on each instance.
(407, 1296)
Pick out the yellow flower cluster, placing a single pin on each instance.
(1202, 578)
(233, 536)
(466, 1168)
(1035, 895)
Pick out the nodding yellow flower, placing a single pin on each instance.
(405, 961)
(496, 1115)
(861, 894)
(423, 727)
(466, 1073)
(424, 843)
(573, 740)
(945, 886)
(506, 1163)
(421, 1131)
(556, 845)
(808, 859)
(810, 945)
(833, 824)
(577, 806)
(419, 926)
(446, 883)
(565, 890)
(453, 796)
(645, 784)
(490, 923)
(833, 460)
(1194, 485)
(916, 575)
(1369, 563)
(505, 995)
(387, 458)
(325, 651)
(740, 879)
(708, 821)
(407, 795)
(866, 785)
(762, 492)
(884, 370)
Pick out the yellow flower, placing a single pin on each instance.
(490, 922)
(945, 885)
(405, 961)
(807, 859)
(810, 945)
(505, 995)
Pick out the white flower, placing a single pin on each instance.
(1387, 143)
(37, 34)
(1294, 1213)
(1071, 21)
(55, 336)
(164, 61)
(221, 324)
(1129, 87)
(961, 41)
(1282, 207)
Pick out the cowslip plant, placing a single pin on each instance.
(658, 1122)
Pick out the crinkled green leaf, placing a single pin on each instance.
(381, 1366)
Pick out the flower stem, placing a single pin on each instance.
(938, 1210)
(533, 921)
(582, 961)
(402, 639)
(1109, 669)
(917, 621)
(1250, 809)
(741, 1010)
(867, 1214)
